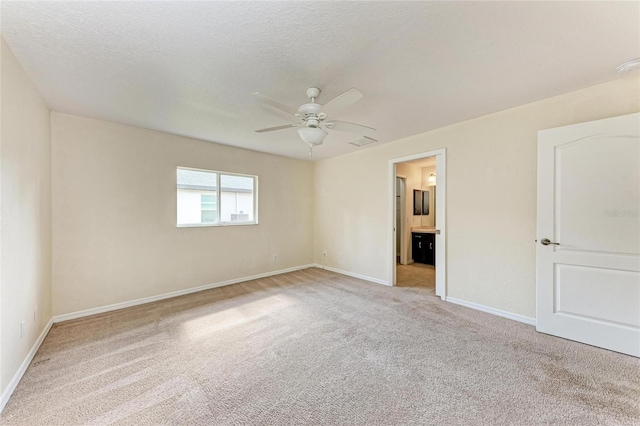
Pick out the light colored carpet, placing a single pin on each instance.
(315, 347)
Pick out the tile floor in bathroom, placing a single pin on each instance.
(416, 275)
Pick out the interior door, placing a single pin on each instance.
(588, 246)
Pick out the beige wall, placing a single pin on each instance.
(114, 215)
(491, 196)
(25, 213)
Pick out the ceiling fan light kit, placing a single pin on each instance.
(310, 117)
(312, 136)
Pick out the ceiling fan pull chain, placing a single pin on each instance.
(310, 150)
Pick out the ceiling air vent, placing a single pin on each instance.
(365, 140)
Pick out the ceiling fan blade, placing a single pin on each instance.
(347, 98)
(345, 126)
(273, 129)
(272, 102)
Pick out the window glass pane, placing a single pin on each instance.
(209, 216)
(192, 203)
(208, 202)
(196, 179)
(197, 192)
(208, 211)
(236, 198)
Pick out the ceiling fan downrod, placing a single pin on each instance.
(313, 93)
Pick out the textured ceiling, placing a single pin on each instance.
(188, 67)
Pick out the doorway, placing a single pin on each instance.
(417, 234)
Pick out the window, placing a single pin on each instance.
(207, 198)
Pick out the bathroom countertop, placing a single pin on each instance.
(424, 230)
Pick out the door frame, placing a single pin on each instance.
(441, 204)
(403, 213)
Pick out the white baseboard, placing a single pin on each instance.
(352, 274)
(4, 398)
(130, 303)
(494, 311)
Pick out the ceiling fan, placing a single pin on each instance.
(311, 119)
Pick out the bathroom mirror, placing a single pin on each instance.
(428, 217)
(417, 202)
(425, 203)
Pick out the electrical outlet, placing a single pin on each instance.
(22, 329)
(35, 314)
(275, 257)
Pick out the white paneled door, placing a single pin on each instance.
(588, 246)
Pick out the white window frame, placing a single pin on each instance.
(219, 198)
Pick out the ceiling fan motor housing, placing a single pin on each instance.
(310, 109)
(312, 122)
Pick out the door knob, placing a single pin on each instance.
(546, 242)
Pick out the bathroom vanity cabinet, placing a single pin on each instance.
(423, 247)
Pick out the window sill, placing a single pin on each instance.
(210, 225)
